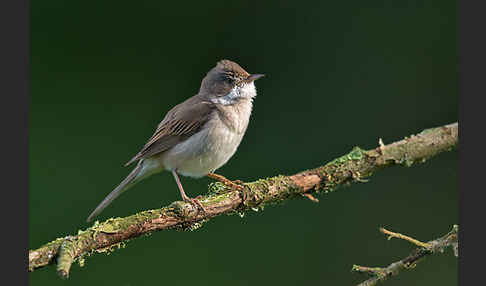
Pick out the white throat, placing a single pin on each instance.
(248, 91)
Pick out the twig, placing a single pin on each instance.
(404, 237)
(438, 245)
(221, 199)
(310, 197)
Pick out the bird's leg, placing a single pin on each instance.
(187, 199)
(236, 184)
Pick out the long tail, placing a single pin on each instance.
(132, 178)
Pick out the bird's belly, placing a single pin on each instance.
(204, 152)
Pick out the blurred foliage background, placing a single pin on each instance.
(339, 74)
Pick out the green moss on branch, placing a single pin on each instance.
(352, 167)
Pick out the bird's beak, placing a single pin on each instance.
(254, 77)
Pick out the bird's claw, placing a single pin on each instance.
(236, 184)
(196, 204)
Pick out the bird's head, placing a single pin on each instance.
(228, 82)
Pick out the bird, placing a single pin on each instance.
(197, 136)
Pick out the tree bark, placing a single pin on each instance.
(352, 167)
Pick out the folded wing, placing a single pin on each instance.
(182, 121)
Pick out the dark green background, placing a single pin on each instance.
(339, 74)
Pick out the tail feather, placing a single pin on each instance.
(127, 183)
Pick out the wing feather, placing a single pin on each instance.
(180, 122)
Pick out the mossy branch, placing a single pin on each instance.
(438, 245)
(352, 167)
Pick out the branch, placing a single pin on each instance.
(438, 245)
(352, 167)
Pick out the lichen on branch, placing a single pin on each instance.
(438, 245)
(220, 199)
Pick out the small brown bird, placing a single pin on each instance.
(199, 135)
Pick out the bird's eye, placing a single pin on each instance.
(228, 79)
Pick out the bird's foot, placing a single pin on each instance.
(196, 203)
(236, 184)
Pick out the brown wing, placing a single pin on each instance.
(179, 123)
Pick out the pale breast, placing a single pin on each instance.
(213, 146)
